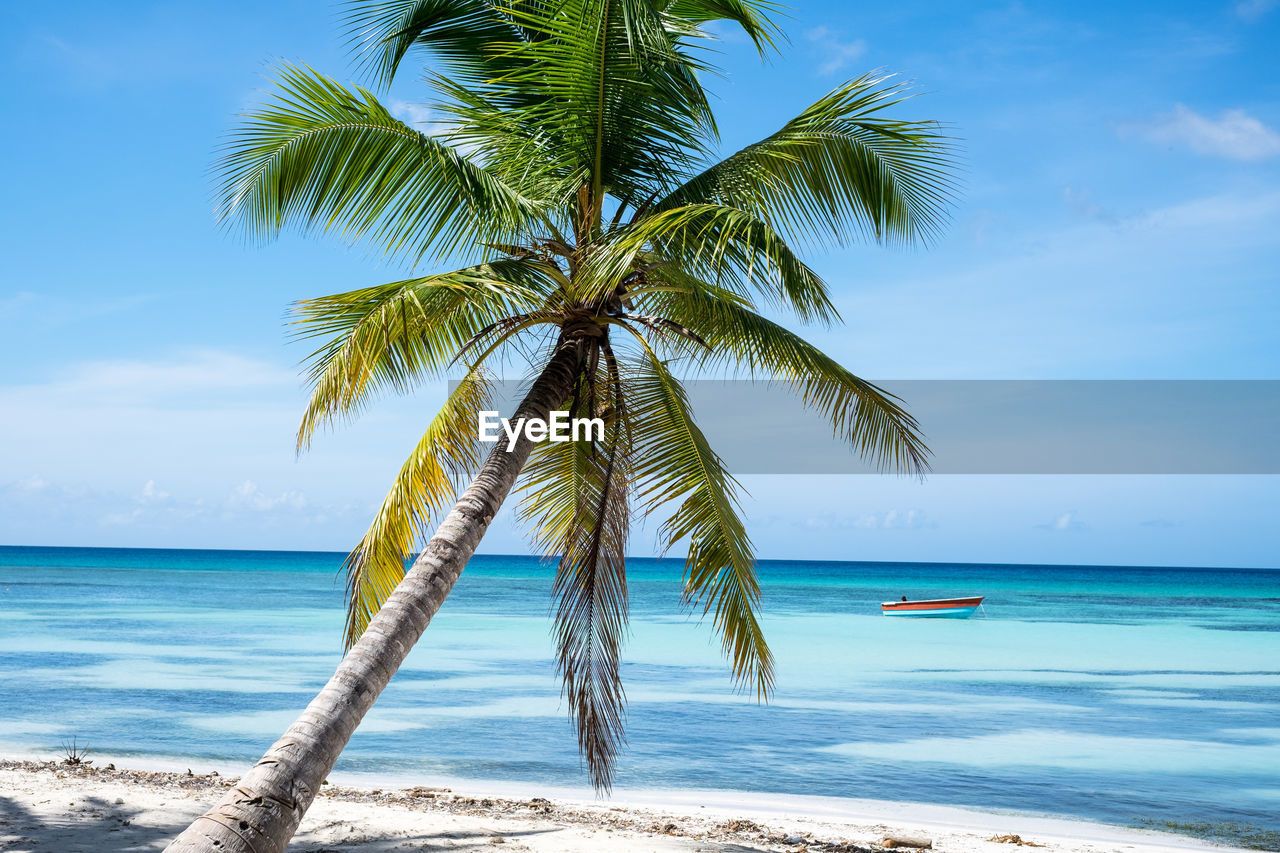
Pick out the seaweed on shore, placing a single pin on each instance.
(1222, 832)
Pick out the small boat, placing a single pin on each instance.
(949, 608)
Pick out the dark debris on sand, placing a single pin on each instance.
(443, 800)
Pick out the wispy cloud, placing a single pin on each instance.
(194, 372)
(1149, 266)
(84, 515)
(1252, 10)
(1065, 522)
(145, 50)
(249, 495)
(34, 483)
(426, 120)
(834, 51)
(152, 493)
(194, 448)
(1081, 203)
(1234, 134)
(893, 519)
(414, 115)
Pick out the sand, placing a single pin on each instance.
(50, 807)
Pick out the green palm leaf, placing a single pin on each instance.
(399, 333)
(751, 15)
(447, 453)
(577, 504)
(324, 156)
(874, 422)
(731, 247)
(676, 463)
(837, 168)
(469, 36)
(611, 92)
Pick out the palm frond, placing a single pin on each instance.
(470, 37)
(675, 462)
(426, 486)
(577, 504)
(500, 331)
(874, 422)
(394, 335)
(730, 247)
(838, 168)
(324, 156)
(599, 88)
(751, 15)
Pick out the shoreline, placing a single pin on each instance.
(51, 806)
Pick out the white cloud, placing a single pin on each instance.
(201, 370)
(1081, 203)
(1147, 266)
(1252, 10)
(421, 118)
(34, 483)
(132, 452)
(1234, 134)
(54, 513)
(170, 418)
(52, 309)
(1064, 522)
(414, 115)
(151, 493)
(834, 51)
(248, 495)
(893, 519)
(1230, 213)
(120, 519)
(201, 377)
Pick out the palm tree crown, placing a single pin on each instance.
(572, 175)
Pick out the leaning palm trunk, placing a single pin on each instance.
(262, 812)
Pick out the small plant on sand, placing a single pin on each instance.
(74, 755)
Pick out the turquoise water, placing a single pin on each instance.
(1107, 693)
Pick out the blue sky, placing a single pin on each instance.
(1120, 218)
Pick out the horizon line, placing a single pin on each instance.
(678, 559)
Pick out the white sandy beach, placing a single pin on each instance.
(47, 807)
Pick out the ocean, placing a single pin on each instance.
(1113, 694)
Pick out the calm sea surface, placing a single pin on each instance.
(1107, 693)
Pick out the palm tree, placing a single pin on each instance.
(572, 172)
